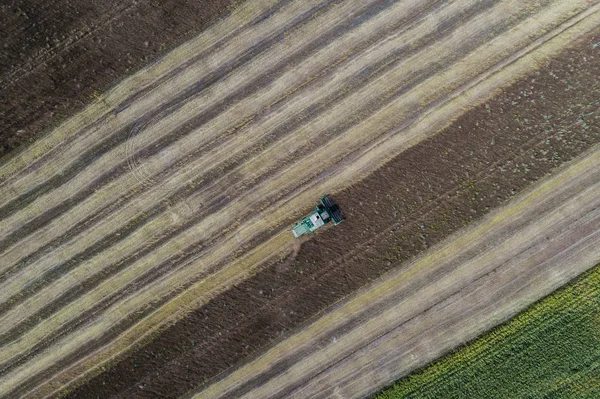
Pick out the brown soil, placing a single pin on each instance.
(57, 56)
(435, 188)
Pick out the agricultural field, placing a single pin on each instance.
(552, 350)
(57, 57)
(452, 293)
(247, 318)
(146, 240)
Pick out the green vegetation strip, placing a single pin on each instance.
(551, 350)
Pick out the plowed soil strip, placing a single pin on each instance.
(477, 278)
(258, 178)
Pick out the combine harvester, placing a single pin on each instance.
(323, 213)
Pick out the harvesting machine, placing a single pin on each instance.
(324, 213)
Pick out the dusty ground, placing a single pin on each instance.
(182, 180)
(59, 56)
(412, 203)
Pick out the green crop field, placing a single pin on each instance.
(551, 350)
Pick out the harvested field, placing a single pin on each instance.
(455, 292)
(410, 204)
(551, 350)
(59, 56)
(127, 211)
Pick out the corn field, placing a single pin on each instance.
(551, 350)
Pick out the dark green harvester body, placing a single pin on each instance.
(325, 212)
